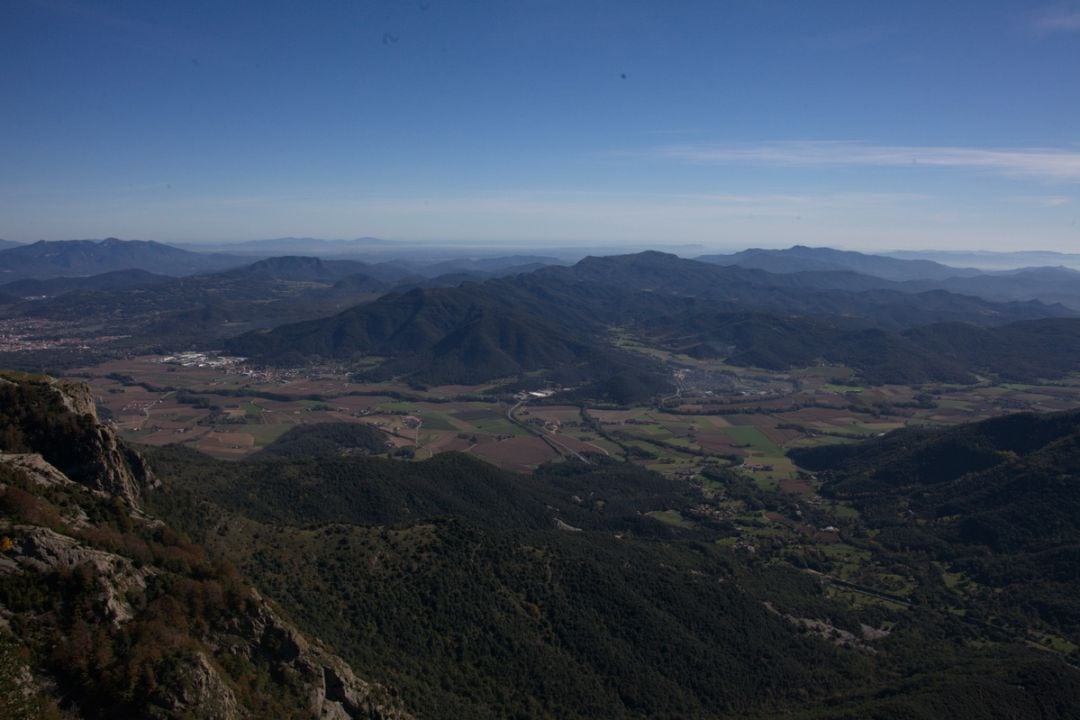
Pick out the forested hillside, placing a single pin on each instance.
(583, 590)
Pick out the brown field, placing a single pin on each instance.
(717, 441)
(558, 413)
(445, 442)
(236, 421)
(576, 445)
(796, 486)
(522, 453)
(168, 437)
(780, 437)
(237, 440)
(357, 403)
(615, 417)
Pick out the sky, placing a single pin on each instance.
(537, 123)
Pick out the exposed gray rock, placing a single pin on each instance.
(76, 397)
(35, 467)
(197, 687)
(201, 693)
(41, 549)
(108, 466)
(335, 690)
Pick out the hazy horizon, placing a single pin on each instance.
(380, 249)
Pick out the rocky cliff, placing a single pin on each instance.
(58, 420)
(106, 612)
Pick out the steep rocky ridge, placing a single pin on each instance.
(121, 616)
(58, 419)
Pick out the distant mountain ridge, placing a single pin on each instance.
(294, 267)
(1047, 284)
(558, 317)
(826, 266)
(800, 258)
(70, 258)
(990, 260)
(112, 280)
(467, 327)
(941, 352)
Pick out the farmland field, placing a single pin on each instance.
(233, 411)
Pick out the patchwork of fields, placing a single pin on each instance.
(235, 412)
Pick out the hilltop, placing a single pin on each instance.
(560, 317)
(71, 258)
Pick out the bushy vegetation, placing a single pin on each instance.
(65, 619)
(486, 618)
(998, 501)
(942, 352)
(448, 580)
(325, 439)
(596, 589)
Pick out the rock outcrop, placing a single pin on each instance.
(335, 692)
(76, 397)
(118, 573)
(60, 421)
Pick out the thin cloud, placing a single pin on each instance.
(1048, 163)
(1061, 17)
(1046, 201)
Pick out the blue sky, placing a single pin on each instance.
(725, 124)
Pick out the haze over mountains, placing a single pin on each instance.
(69, 258)
(539, 360)
(802, 259)
(474, 319)
(297, 246)
(481, 331)
(992, 260)
(45, 259)
(1044, 282)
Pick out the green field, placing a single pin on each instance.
(436, 421)
(753, 438)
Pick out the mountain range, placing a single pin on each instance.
(1049, 284)
(69, 258)
(493, 318)
(560, 316)
(989, 260)
(801, 258)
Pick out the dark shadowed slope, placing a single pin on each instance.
(66, 258)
